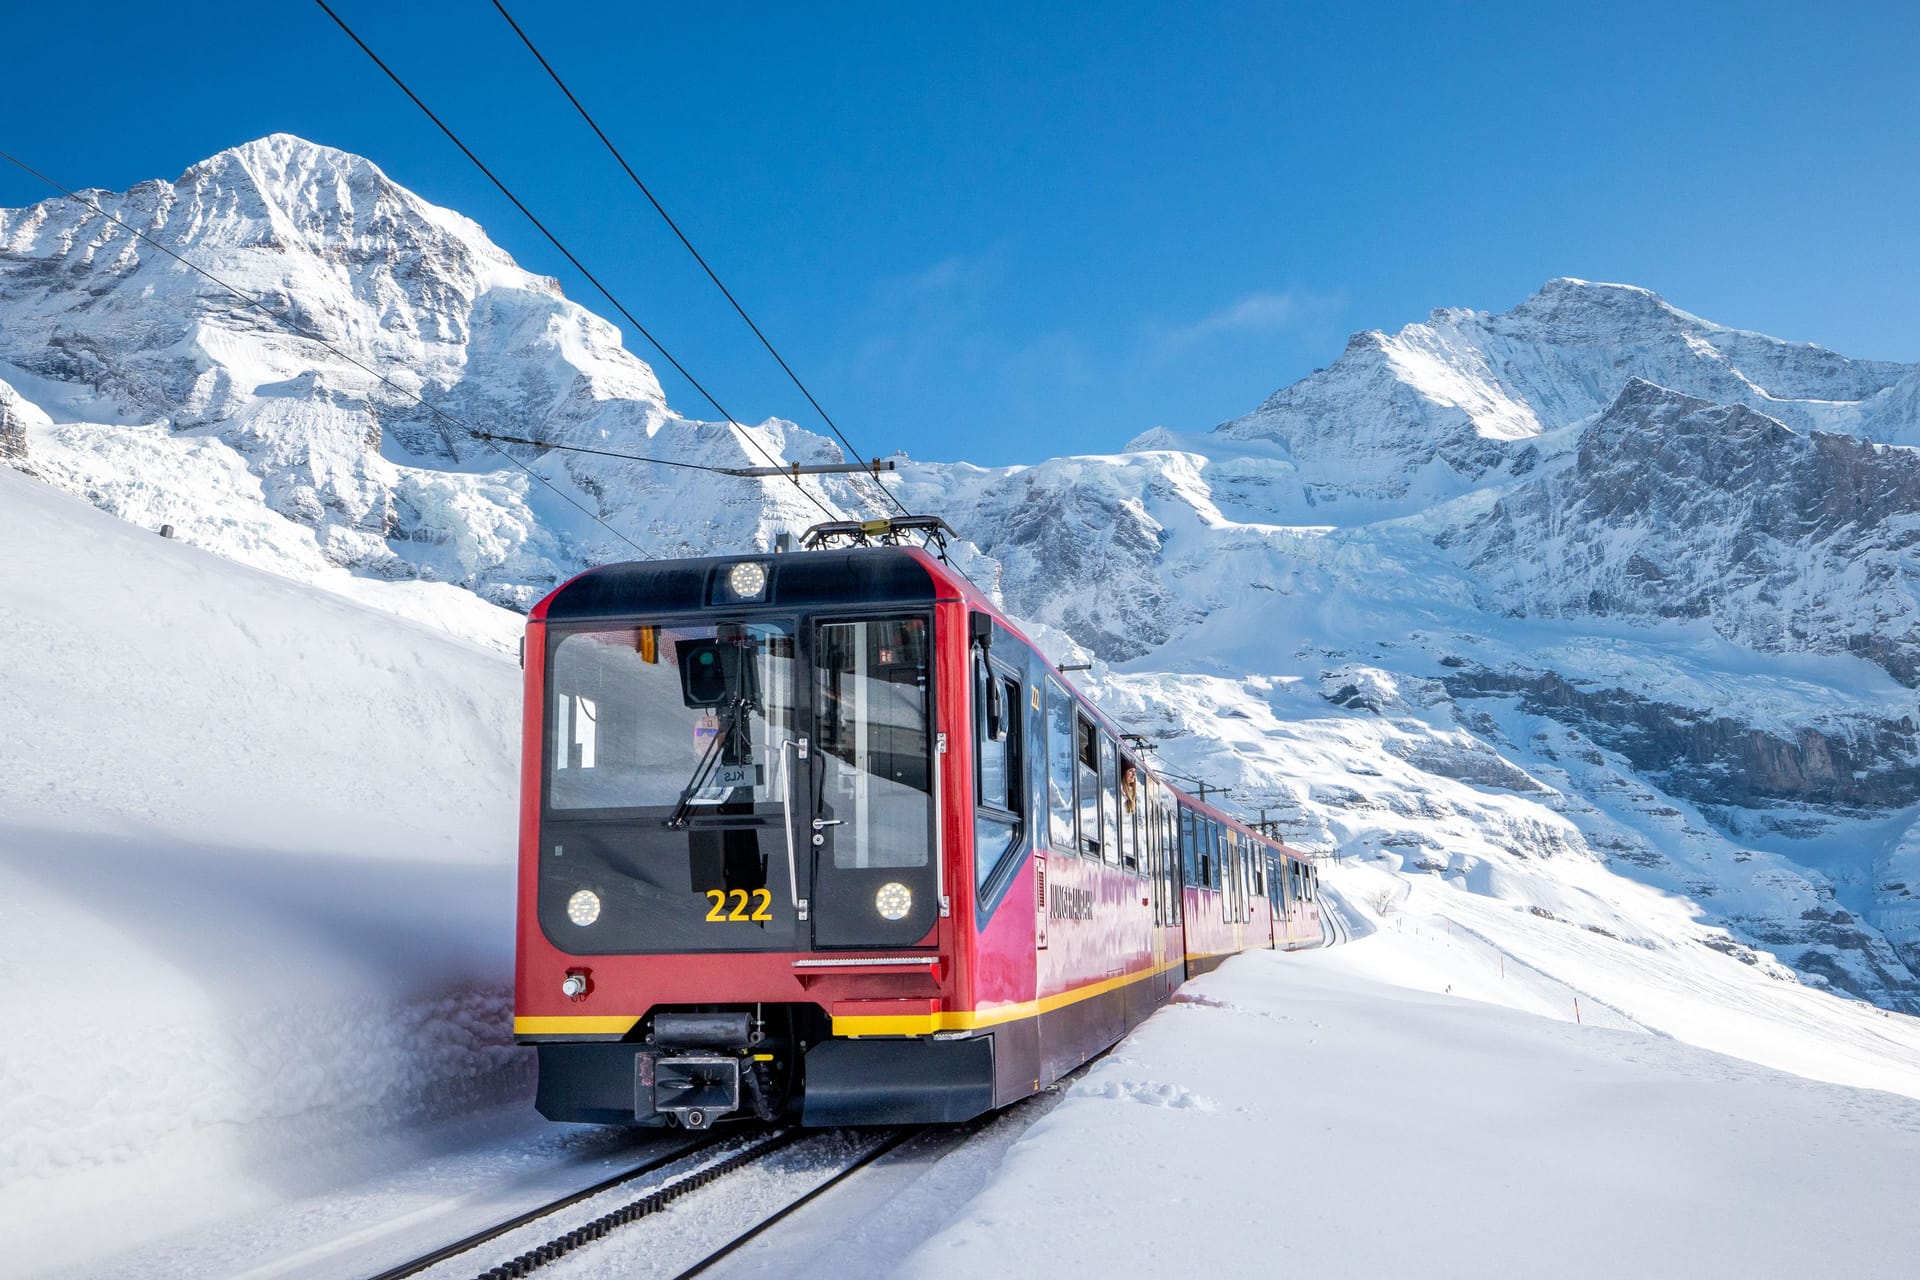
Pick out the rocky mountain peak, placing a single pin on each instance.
(281, 192)
(1673, 507)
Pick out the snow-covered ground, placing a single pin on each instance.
(256, 849)
(1403, 1107)
(255, 907)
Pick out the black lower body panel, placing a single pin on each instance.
(898, 1081)
(589, 1084)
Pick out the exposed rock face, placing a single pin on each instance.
(13, 428)
(1671, 507)
(1719, 759)
(1443, 407)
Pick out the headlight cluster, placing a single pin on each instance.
(583, 908)
(747, 580)
(893, 901)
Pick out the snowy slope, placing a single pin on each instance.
(1403, 1107)
(256, 849)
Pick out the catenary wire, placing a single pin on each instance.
(280, 320)
(595, 281)
(698, 257)
(567, 253)
(744, 473)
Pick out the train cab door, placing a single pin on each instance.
(868, 826)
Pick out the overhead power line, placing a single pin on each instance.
(440, 414)
(565, 252)
(660, 209)
(748, 473)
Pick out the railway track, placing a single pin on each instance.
(793, 1167)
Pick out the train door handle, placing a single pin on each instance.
(820, 824)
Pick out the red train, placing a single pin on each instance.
(821, 836)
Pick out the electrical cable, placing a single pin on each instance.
(658, 208)
(567, 253)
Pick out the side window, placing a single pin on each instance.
(1209, 873)
(1087, 774)
(1060, 723)
(990, 724)
(998, 714)
(1189, 848)
(1134, 830)
(1109, 801)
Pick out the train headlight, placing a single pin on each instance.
(747, 580)
(893, 901)
(583, 908)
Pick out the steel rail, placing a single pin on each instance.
(479, 1238)
(531, 1260)
(878, 1149)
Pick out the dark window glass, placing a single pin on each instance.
(1060, 755)
(1109, 801)
(1087, 781)
(1132, 827)
(646, 717)
(998, 715)
(1189, 848)
(871, 719)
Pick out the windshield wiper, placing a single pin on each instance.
(734, 715)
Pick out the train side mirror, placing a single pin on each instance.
(709, 672)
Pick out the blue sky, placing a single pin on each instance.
(1007, 232)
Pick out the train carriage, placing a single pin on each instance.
(821, 836)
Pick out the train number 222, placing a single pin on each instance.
(761, 899)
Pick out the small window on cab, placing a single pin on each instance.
(999, 774)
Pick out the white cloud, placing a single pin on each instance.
(1261, 312)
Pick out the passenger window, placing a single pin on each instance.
(1109, 802)
(1088, 775)
(1189, 848)
(1131, 831)
(1060, 755)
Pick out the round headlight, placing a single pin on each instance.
(583, 908)
(893, 901)
(747, 580)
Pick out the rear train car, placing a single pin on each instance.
(822, 837)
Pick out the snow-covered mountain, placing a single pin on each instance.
(1593, 608)
(165, 387)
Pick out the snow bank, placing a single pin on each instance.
(1327, 1114)
(256, 849)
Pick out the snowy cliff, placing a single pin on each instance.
(1594, 608)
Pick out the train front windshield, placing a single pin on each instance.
(753, 785)
(686, 718)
